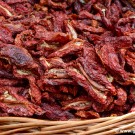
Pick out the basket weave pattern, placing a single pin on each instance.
(101, 126)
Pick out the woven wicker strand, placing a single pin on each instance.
(101, 126)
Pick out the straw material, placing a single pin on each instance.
(101, 126)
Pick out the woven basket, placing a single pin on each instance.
(100, 126)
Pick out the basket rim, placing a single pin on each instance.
(100, 126)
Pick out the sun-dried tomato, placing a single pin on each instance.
(51, 37)
(15, 1)
(6, 10)
(54, 112)
(71, 47)
(17, 55)
(14, 28)
(80, 103)
(66, 59)
(9, 82)
(87, 114)
(131, 96)
(132, 108)
(6, 35)
(107, 53)
(55, 5)
(102, 107)
(123, 108)
(22, 8)
(83, 27)
(96, 71)
(121, 97)
(15, 104)
(82, 81)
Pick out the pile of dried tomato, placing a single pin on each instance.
(67, 59)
